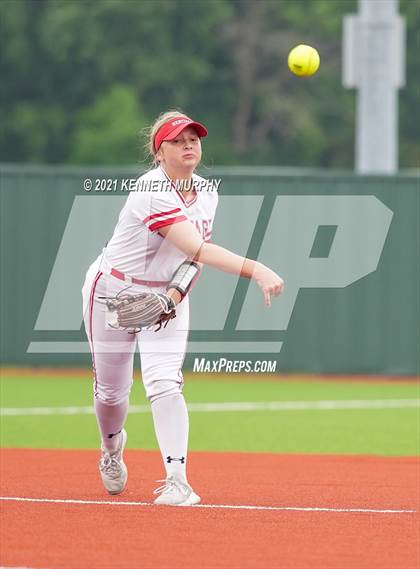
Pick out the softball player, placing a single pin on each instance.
(161, 239)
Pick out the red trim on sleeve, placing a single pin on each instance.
(158, 224)
(176, 210)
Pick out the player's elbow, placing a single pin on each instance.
(202, 255)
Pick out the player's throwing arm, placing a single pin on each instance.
(186, 237)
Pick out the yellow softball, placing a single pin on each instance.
(303, 60)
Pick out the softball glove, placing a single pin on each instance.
(135, 312)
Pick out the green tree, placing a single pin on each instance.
(80, 79)
(107, 130)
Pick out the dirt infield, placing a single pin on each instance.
(69, 535)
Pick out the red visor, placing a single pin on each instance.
(171, 129)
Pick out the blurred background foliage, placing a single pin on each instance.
(80, 79)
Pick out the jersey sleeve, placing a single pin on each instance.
(157, 209)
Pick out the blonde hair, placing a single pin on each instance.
(151, 131)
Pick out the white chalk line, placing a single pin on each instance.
(9, 567)
(209, 506)
(19, 567)
(326, 405)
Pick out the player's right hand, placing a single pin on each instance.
(269, 282)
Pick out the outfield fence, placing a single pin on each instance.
(347, 247)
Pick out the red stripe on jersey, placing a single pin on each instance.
(158, 224)
(176, 210)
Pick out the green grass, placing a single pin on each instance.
(367, 431)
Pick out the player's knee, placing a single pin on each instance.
(111, 395)
(163, 388)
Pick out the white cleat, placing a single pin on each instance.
(175, 493)
(112, 468)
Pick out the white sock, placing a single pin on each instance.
(170, 417)
(111, 419)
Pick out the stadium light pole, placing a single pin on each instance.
(374, 64)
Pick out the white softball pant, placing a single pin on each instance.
(162, 353)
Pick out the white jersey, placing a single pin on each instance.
(136, 247)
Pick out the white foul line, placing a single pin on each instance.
(212, 506)
(14, 567)
(326, 405)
